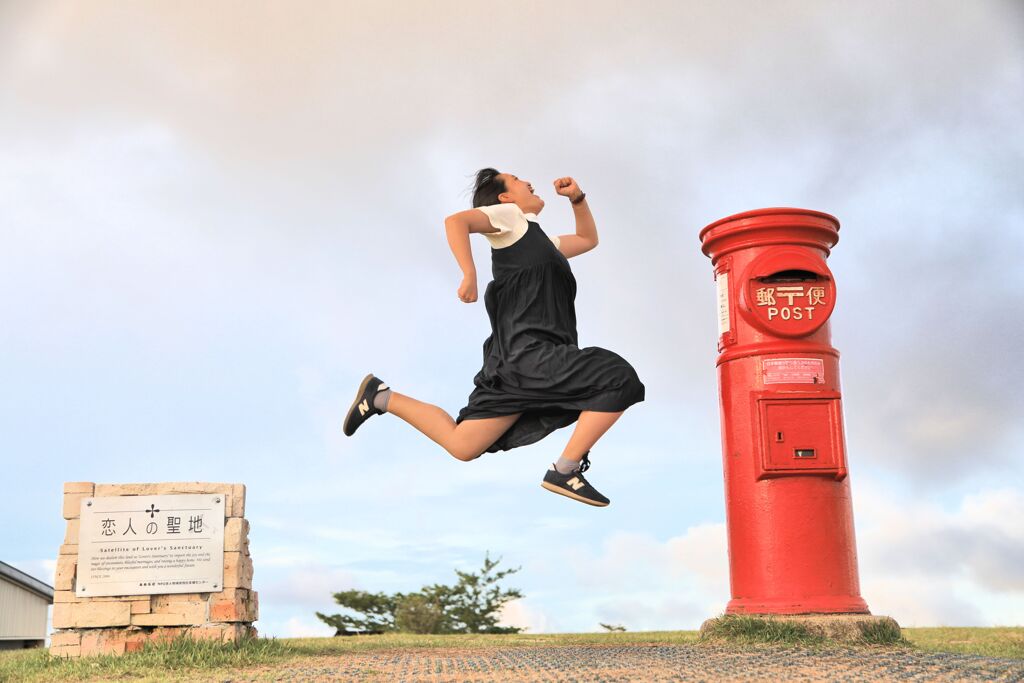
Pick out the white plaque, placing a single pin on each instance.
(722, 287)
(139, 545)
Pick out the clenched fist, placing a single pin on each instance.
(567, 187)
(467, 290)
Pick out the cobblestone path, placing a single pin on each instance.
(639, 662)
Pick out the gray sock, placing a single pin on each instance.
(381, 398)
(564, 465)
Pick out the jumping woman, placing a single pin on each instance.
(535, 378)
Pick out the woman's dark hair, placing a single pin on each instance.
(488, 187)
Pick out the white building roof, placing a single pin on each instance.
(25, 581)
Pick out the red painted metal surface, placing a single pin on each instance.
(788, 509)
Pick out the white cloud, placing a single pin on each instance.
(638, 560)
(926, 565)
(301, 627)
(520, 613)
(50, 569)
(645, 583)
(657, 610)
(310, 585)
(918, 602)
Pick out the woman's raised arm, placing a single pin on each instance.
(585, 238)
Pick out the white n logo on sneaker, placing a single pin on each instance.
(363, 407)
(575, 483)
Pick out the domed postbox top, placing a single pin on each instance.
(775, 225)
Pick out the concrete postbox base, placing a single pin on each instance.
(848, 628)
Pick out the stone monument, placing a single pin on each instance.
(150, 562)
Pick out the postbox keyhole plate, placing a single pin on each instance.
(778, 437)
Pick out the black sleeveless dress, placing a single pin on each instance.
(532, 361)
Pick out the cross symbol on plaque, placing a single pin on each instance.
(152, 510)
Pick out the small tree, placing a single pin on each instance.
(418, 613)
(469, 606)
(378, 613)
(476, 600)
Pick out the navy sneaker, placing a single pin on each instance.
(574, 485)
(362, 408)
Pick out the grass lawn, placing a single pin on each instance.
(990, 642)
(174, 661)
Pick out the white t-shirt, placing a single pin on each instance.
(511, 223)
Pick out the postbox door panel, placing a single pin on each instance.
(801, 436)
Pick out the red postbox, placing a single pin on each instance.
(787, 493)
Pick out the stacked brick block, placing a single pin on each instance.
(119, 624)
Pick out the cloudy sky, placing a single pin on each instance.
(216, 218)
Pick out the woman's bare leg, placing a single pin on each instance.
(590, 427)
(465, 441)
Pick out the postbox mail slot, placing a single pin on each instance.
(800, 436)
(790, 276)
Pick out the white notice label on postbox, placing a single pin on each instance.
(722, 286)
(793, 370)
